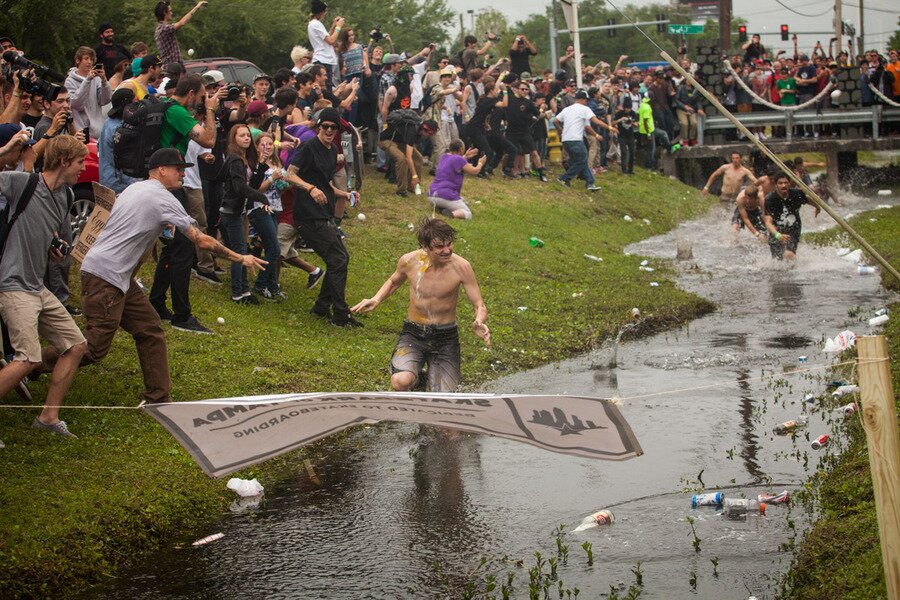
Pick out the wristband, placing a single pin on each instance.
(777, 235)
(706, 187)
(310, 189)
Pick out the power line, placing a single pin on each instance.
(875, 8)
(774, 10)
(827, 10)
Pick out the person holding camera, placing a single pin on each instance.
(15, 148)
(520, 52)
(28, 309)
(324, 40)
(88, 91)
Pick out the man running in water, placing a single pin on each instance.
(430, 335)
(782, 217)
(749, 213)
(733, 174)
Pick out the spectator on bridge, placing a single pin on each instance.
(753, 50)
(807, 87)
(688, 104)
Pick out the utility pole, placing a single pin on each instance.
(861, 46)
(462, 32)
(554, 57)
(725, 26)
(838, 27)
(472, 21)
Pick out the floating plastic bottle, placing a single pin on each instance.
(740, 506)
(782, 498)
(820, 442)
(875, 321)
(601, 517)
(865, 270)
(208, 539)
(709, 499)
(844, 390)
(789, 426)
(847, 409)
(536, 242)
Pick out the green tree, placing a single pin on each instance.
(894, 42)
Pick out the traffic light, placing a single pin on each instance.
(611, 32)
(742, 33)
(785, 33)
(660, 27)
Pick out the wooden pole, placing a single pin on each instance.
(789, 172)
(879, 416)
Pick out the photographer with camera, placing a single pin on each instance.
(88, 91)
(520, 52)
(39, 208)
(471, 52)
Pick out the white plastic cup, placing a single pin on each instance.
(875, 321)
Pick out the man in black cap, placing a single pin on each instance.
(109, 53)
(312, 171)
(110, 296)
(110, 176)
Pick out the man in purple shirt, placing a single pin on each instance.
(444, 194)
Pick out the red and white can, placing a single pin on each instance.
(820, 442)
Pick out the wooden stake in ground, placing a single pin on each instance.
(879, 416)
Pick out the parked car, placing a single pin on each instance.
(234, 69)
(84, 191)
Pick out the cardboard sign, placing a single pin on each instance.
(104, 198)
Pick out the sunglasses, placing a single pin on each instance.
(329, 127)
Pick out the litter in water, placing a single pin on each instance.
(820, 442)
(875, 321)
(601, 517)
(840, 342)
(782, 498)
(245, 487)
(208, 539)
(844, 390)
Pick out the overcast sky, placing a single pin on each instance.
(762, 16)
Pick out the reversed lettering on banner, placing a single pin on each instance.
(230, 434)
(104, 198)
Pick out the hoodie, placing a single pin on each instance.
(87, 97)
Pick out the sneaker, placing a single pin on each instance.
(218, 270)
(349, 321)
(593, 188)
(314, 279)
(59, 428)
(266, 294)
(164, 313)
(402, 193)
(544, 178)
(326, 314)
(207, 276)
(301, 246)
(71, 310)
(249, 299)
(341, 233)
(563, 181)
(191, 325)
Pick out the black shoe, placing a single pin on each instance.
(207, 276)
(402, 194)
(249, 299)
(191, 325)
(71, 309)
(164, 313)
(349, 321)
(314, 279)
(325, 314)
(218, 270)
(266, 294)
(341, 233)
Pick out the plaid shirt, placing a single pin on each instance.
(167, 44)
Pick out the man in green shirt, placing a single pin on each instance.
(173, 270)
(787, 88)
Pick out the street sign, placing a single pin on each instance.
(685, 29)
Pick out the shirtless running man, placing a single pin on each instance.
(430, 335)
(749, 213)
(733, 174)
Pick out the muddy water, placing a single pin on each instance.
(403, 513)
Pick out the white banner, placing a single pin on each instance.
(229, 434)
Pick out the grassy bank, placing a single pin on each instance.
(75, 510)
(841, 555)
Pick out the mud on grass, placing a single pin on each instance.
(74, 511)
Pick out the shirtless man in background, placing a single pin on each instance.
(733, 174)
(749, 213)
(430, 335)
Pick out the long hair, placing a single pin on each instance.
(274, 159)
(249, 156)
(345, 40)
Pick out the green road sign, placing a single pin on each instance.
(685, 29)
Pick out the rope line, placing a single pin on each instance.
(760, 100)
(882, 96)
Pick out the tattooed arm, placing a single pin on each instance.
(205, 242)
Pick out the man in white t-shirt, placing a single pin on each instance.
(323, 41)
(574, 122)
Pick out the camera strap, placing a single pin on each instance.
(24, 199)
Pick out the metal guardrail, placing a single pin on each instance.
(873, 115)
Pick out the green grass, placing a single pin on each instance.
(841, 555)
(74, 511)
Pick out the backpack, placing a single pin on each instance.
(403, 117)
(7, 221)
(138, 137)
(426, 99)
(475, 92)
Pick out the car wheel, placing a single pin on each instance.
(81, 210)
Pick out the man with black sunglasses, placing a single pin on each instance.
(312, 171)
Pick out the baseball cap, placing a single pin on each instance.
(571, 82)
(525, 75)
(121, 98)
(8, 130)
(149, 61)
(257, 108)
(213, 76)
(581, 95)
(167, 157)
(259, 76)
(391, 59)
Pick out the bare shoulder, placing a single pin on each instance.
(462, 266)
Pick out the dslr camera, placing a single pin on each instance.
(39, 86)
(234, 92)
(61, 246)
(376, 33)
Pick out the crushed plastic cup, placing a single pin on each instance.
(601, 517)
(840, 342)
(245, 487)
(880, 319)
(782, 498)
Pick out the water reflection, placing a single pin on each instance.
(786, 295)
(749, 446)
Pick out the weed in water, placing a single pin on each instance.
(638, 574)
(588, 549)
(715, 564)
(696, 541)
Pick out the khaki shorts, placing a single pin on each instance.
(30, 316)
(287, 235)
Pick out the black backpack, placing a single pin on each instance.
(7, 221)
(403, 117)
(138, 137)
(426, 99)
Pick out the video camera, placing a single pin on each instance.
(38, 86)
(376, 34)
